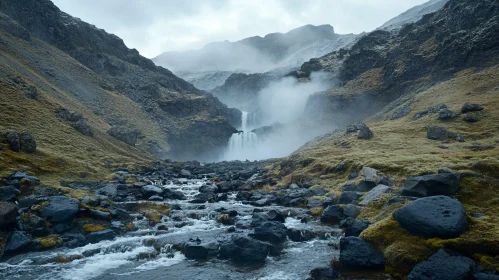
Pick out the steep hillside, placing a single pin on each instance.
(82, 68)
(412, 15)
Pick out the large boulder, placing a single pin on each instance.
(355, 253)
(348, 197)
(356, 227)
(433, 184)
(28, 142)
(13, 140)
(324, 273)
(110, 191)
(60, 209)
(8, 214)
(173, 194)
(242, 249)
(437, 133)
(443, 265)
(374, 194)
(434, 216)
(18, 242)
(200, 251)
(150, 190)
(273, 232)
(333, 214)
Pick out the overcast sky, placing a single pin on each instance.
(155, 26)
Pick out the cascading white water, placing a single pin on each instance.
(241, 144)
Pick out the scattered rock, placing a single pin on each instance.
(340, 167)
(300, 235)
(60, 209)
(435, 216)
(469, 107)
(28, 142)
(13, 140)
(8, 214)
(365, 133)
(400, 112)
(433, 184)
(17, 242)
(349, 197)
(173, 194)
(333, 214)
(242, 249)
(82, 127)
(110, 191)
(199, 251)
(470, 118)
(446, 114)
(273, 232)
(185, 173)
(374, 194)
(208, 188)
(355, 253)
(443, 265)
(350, 210)
(150, 190)
(437, 133)
(324, 273)
(369, 174)
(355, 228)
(429, 110)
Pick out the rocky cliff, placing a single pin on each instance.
(44, 46)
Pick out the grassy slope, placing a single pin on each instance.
(62, 151)
(400, 149)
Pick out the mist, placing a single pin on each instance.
(279, 126)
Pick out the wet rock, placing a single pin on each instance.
(349, 187)
(324, 273)
(28, 142)
(276, 216)
(245, 250)
(485, 276)
(470, 118)
(273, 232)
(435, 216)
(99, 215)
(470, 107)
(437, 133)
(225, 186)
(199, 251)
(8, 214)
(110, 191)
(312, 203)
(185, 173)
(60, 209)
(446, 114)
(17, 242)
(98, 236)
(225, 219)
(243, 196)
(433, 184)
(90, 200)
(349, 197)
(374, 194)
(203, 197)
(73, 240)
(333, 214)
(355, 253)
(13, 140)
(28, 201)
(120, 214)
(208, 188)
(150, 190)
(8, 192)
(155, 198)
(443, 265)
(173, 194)
(300, 235)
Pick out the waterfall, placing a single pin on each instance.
(242, 144)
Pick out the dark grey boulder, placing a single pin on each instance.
(365, 133)
(485, 276)
(434, 216)
(8, 214)
(443, 265)
(98, 236)
(60, 209)
(90, 200)
(356, 227)
(355, 253)
(350, 210)
(437, 133)
(276, 216)
(433, 184)
(82, 127)
(173, 194)
(348, 197)
(204, 197)
(13, 140)
(23, 175)
(312, 203)
(297, 235)
(324, 273)
(28, 142)
(242, 249)
(8, 192)
(333, 214)
(28, 201)
(17, 242)
(225, 186)
(446, 114)
(365, 186)
(208, 188)
(470, 107)
(185, 173)
(273, 232)
(99, 215)
(199, 251)
(470, 118)
(110, 191)
(150, 190)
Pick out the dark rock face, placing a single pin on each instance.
(125, 134)
(60, 209)
(8, 214)
(470, 107)
(28, 142)
(273, 232)
(242, 249)
(443, 265)
(98, 236)
(18, 241)
(437, 133)
(433, 184)
(355, 253)
(435, 216)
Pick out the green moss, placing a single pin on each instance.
(130, 226)
(159, 207)
(153, 216)
(25, 216)
(316, 211)
(87, 228)
(39, 206)
(68, 259)
(49, 242)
